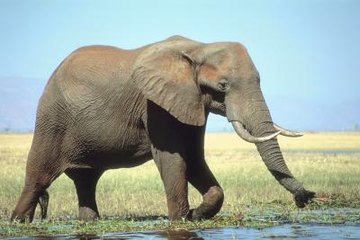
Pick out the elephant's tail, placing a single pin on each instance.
(44, 202)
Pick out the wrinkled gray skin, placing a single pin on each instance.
(106, 108)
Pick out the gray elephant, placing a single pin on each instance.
(106, 108)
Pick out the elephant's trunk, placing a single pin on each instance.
(256, 119)
(272, 156)
(270, 150)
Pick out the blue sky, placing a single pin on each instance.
(307, 52)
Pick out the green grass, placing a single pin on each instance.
(252, 196)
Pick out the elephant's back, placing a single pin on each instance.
(91, 72)
(96, 65)
(87, 96)
(86, 85)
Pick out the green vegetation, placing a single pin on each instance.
(133, 199)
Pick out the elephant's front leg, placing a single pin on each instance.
(173, 174)
(203, 180)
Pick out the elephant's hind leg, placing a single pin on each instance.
(38, 179)
(44, 203)
(85, 181)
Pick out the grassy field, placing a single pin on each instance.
(328, 163)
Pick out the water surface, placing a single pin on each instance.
(286, 231)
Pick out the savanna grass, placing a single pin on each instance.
(327, 163)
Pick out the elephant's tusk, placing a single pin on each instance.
(244, 134)
(287, 133)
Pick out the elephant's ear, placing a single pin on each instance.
(167, 78)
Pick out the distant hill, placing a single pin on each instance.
(18, 102)
(19, 97)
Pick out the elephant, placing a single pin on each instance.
(105, 108)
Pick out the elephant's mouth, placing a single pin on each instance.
(246, 135)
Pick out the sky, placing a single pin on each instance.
(307, 51)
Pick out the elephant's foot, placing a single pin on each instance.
(87, 214)
(22, 217)
(44, 203)
(303, 197)
(26, 214)
(178, 210)
(23, 213)
(25, 208)
(211, 205)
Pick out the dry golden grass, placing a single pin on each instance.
(325, 162)
(310, 141)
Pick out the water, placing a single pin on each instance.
(332, 223)
(286, 231)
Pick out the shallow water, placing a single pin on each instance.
(286, 231)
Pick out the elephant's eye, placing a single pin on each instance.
(223, 85)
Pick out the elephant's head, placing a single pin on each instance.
(190, 79)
